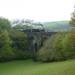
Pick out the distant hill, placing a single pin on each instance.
(57, 26)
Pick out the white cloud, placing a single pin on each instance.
(40, 10)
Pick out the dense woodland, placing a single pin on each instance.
(15, 44)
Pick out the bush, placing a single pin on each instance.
(68, 44)
(51, 49)
(60, 46)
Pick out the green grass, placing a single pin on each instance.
(30, 68)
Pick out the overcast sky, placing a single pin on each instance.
(39, 10)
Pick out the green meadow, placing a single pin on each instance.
(29, 67)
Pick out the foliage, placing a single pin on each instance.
(6, 50)
(20, 42)
(19, 39)
(51, 49)
(5, 24)
(16, 44)
(69, 45)
(60, 46)
(72, 22)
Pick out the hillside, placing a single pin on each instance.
(57, 26)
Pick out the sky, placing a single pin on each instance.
(38, 10)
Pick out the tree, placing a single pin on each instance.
(6, 51)
(52, 49)
(20, 43)
(68, 44)
(72, 22)
(4, 24)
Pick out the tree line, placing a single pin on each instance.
(15, 44)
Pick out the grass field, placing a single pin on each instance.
(30, 68)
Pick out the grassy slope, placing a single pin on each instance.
(58, 25)
(31, 68)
